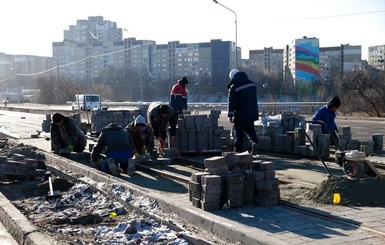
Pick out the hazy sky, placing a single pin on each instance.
(30, 26)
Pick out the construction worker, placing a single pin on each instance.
(242, 109)
(178, 95)
(66, 136)
(142, 136)
(327, 114)
(161, 115)
(118, 146)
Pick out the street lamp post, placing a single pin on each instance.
(236, 31)
(57, 69)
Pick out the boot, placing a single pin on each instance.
(255, 150)
(114, 169)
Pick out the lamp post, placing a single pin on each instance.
(57, 69)
(236, 31)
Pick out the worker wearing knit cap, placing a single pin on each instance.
(142, 135)
(327, 114)
(160, 116)
(178, 95)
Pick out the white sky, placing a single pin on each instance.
(30, 26)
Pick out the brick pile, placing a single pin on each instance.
(101, 118)
(293, 141)
(273, 135)
(347, 143)
(19, 167)
(267, 185)
(46, 124)
(199, 133)
(232, 181)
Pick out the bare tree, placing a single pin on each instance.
(52, 91)
(363, 91)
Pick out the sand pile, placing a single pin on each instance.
(356, 192)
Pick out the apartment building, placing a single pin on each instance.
(93, 51)
(301, 60)
(335, 61)
(376, 56)
(267, 60)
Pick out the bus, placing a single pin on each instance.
(86, 102)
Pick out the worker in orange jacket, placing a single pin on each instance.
(178, 96)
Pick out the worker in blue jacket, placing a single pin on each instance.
(327, 114)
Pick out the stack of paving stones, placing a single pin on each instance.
(267, 185)
(211, 190)
(273, 134)
(46, 124)
(19, 167)
(378, 142)
(199, 133)
(320, 141)
(101, 118)
(288, 138)
(368, 146)
(232, 181)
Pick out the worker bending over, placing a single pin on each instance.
(118, 147)
(66, 136)
(161, 115)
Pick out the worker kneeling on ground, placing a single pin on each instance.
(160, 116)
(66, 136)
(118, 147)
(142, 136)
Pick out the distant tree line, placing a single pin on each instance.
(362, 90)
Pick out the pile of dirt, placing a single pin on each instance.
(356, 192)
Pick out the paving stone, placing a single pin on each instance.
(211, 180)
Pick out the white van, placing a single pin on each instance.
(86, 102)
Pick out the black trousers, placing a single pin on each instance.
(240, 129)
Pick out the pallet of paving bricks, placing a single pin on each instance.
(232, 181)
(199, 134)
(101, 118)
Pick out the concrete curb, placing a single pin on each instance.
(180, 205)
(19, 226)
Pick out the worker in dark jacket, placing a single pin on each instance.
(118, 146)
(242, 109)
(142, 136)
(178, 95)
(161, 115)
(66, 136)
(327, 114)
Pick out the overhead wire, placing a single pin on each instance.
(68, 64)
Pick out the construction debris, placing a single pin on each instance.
(83, 215)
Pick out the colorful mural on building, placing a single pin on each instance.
(307, 74)
(307, 60)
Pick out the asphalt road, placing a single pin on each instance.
(361, 128)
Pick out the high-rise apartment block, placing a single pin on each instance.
(267, 60)
(94, 50)
(376, 56)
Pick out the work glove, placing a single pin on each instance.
(137, 156)
(70, 148)
(161, 143)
